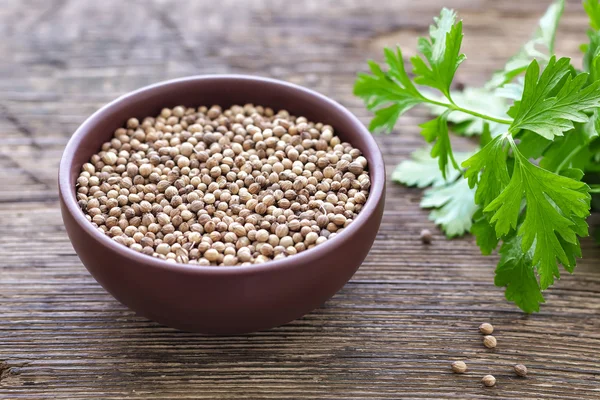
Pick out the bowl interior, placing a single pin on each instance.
(224, 91)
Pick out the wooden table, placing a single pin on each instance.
(393, 330)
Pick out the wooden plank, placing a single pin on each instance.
(394, 328)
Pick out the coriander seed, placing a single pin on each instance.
(426, 236)
(488, 380)
(520, 370)
(109, 158)
(459, 367)
(486, 328)
(489, 341)
(208, 186)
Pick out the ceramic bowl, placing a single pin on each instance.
(221, 300)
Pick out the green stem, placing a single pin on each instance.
(512, 144)
(594, 189)
(471, 112)
(518, 156)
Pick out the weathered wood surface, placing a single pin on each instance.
(395, 327)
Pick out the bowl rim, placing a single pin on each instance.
(69, 199)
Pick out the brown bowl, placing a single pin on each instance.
(221, 300)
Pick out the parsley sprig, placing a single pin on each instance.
(524, 187)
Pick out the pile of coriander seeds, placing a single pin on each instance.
(211, 187)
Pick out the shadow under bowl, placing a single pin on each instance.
(221, 300)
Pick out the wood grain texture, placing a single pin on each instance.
(394, 329)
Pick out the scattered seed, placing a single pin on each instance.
(459, 367)
(489, 341)
(521, 370)
(486, 328)
(426, 236)
(488, 380)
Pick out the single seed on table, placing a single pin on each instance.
(489, 341)
(459, 367)
(488, 380)
(486, 328)
(426, 236)
(521, 370)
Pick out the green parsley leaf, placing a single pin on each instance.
(595, 68)
(532, 145)
(548, 26)
(591, 56)
(512, 90)
(569, 151)
(422, 170)
(592, 49)
(487, 170)
(451, 197)
(556, 208)
(592, 127)
(442, 52)
(539, 47)
(388, 95)
(385, 118)
(548, 113)
(454, 207)
(515, 272)
(486, 135)
(592, 8)
(537, 212)
(574, 173)
(485, 234)
(436, 131)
